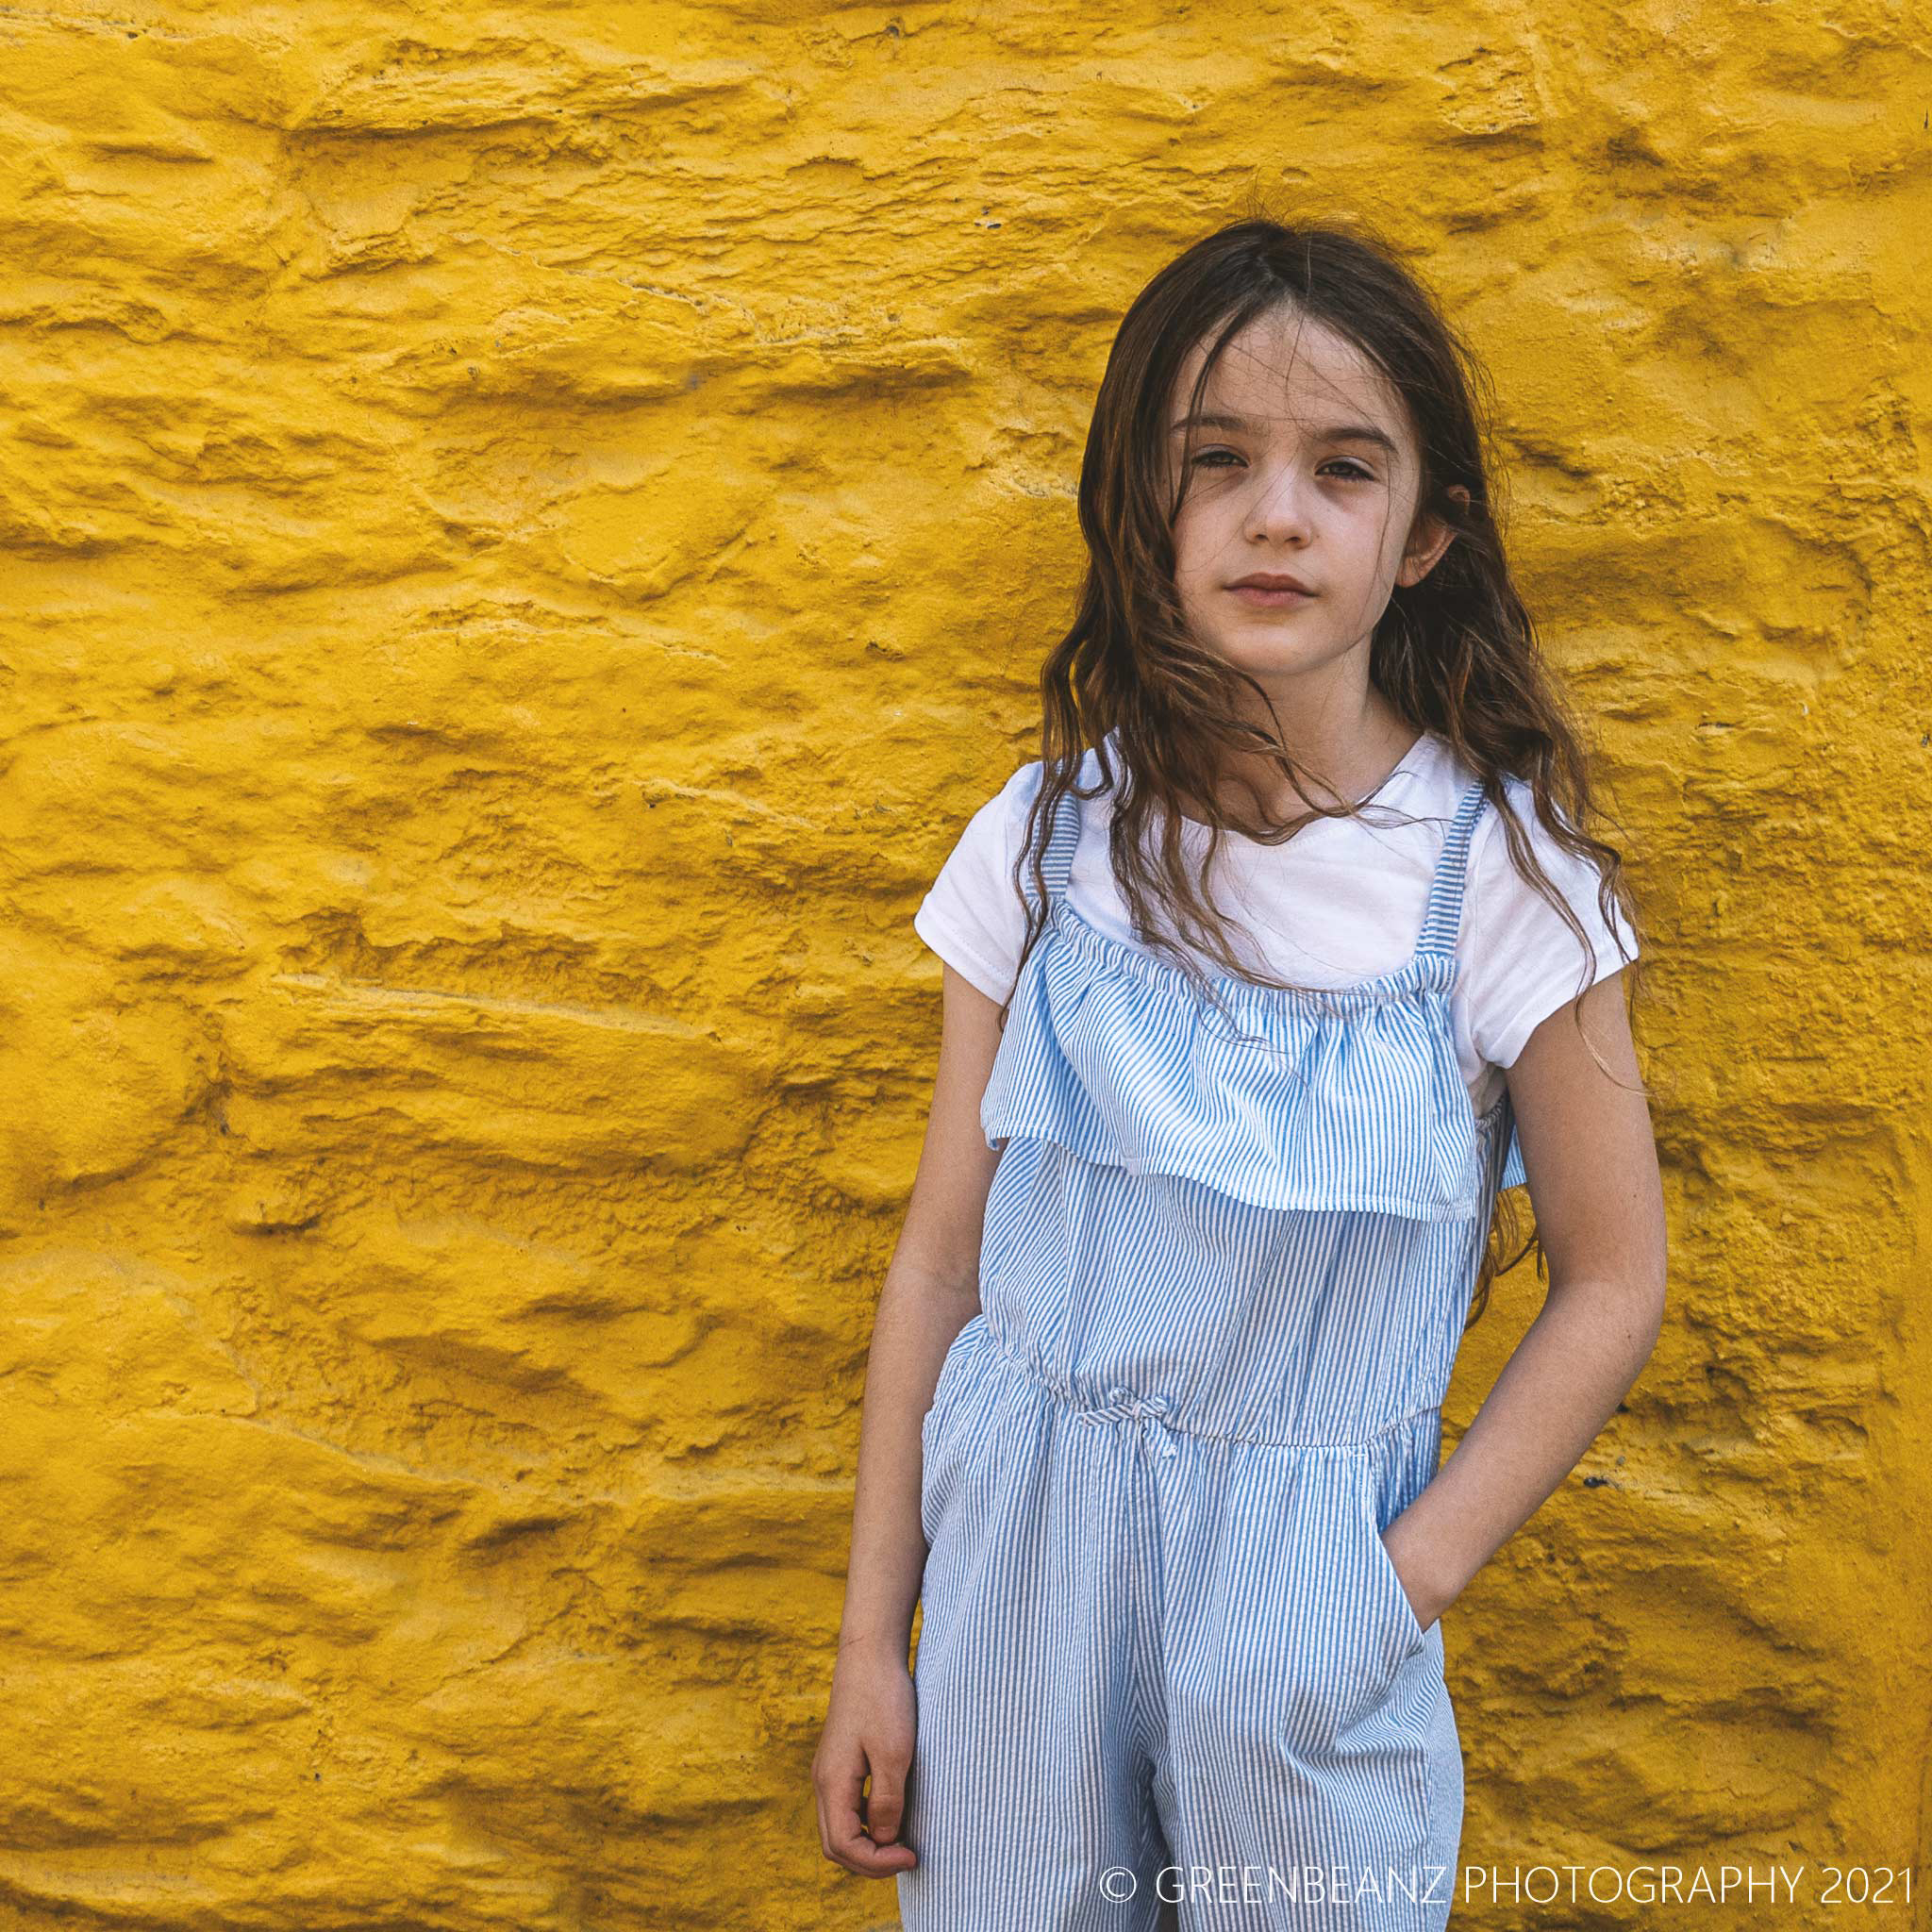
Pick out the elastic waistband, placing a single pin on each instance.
(1127, 1404)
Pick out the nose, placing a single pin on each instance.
(1279, 514)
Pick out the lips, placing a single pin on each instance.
(1264, 580)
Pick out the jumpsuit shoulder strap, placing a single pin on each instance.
(1056, 862)
(1444, 915)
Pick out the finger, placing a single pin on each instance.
(848, 1844)
(855, 1850)
(884, 1806)
(848, 1840)
(826, 1787)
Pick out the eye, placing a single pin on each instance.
(1346, 467)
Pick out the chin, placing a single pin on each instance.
(1263, 645)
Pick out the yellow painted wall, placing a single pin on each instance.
(524, 533)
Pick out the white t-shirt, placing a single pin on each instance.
(1343, 900)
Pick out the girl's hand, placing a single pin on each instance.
(870, 1725)
(1428, 1602)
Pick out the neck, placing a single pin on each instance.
(1340, 761)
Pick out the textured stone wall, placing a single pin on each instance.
(524, 533)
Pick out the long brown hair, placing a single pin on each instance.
(1456, 653)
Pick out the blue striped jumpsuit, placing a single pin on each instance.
(1163, 1654)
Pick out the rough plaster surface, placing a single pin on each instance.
(525, 534)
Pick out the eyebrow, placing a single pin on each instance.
(1339, 432)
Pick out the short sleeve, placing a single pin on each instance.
(1521, 960)
(971, 917)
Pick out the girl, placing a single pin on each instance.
(1153, 1412)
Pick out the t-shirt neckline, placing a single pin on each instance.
(1404, 764)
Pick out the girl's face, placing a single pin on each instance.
(1304, 465)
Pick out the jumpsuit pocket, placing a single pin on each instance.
(1388, 1634)
(930, 1430)
(1342, 1667)
(1410, 1632)
(936, 1432)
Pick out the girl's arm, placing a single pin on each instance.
(1590, 1156)
(931, 1291)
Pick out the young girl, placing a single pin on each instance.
(1153, 1413)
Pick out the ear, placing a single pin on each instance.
(1432, 537)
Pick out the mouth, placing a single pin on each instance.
(1267, 590)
